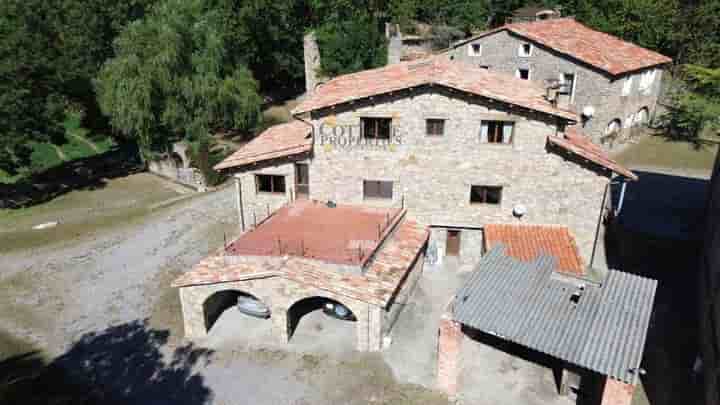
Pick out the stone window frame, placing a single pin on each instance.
(521, 50)
(485, 188)
(435, 120)
(504, 117)
(472, 51)
(376, 118)
(272, 183)
(574, 83)
(378, 196)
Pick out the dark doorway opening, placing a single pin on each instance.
(302, 181)
(452, 246)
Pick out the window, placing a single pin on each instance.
(376, 128)
(474, 50)
(525, 50)
(627, 86)
(523, 73)
(486, 67)
(497, 131)
(270, 183)
(435, 127)
(485, 194)
(568, 84)
(377, 189)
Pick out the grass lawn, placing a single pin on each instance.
(659, 152)
(81, 213)
(79, 143)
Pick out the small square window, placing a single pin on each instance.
(378, 189)
(435, 127)
(485, 194)
(376, 128)
(523, 74)
(475, 50)
(525, 50)
(268, 183)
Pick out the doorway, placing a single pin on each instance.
(452, 245)
(302, 181)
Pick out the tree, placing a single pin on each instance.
(173, 77)
(49, 52)
(696, 104)
(267, 36)
(351, 45)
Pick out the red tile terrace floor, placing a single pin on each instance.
(344, 234)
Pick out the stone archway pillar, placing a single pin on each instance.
(193, 315)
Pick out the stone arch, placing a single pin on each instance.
(219, 301)
(613, 127)
(177, 159)
(304, 306)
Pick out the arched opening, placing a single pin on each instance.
(315, 318)
(246, 304)
(613, 127)
(642, 116)
(177, 159)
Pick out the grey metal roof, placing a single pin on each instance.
(528, 304)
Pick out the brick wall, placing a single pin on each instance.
(617, 393)
(593, 87)
(450, 338)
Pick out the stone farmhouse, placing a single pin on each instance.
(611, 84)
(457, 146)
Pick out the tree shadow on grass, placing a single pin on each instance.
(122, 364)
(86, 173)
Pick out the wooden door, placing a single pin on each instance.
(452, 247)
(302, 181)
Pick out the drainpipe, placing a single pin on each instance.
(238, 199)
(597, 228)
(622, 198)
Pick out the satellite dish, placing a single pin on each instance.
(588, 111)
(519, 210)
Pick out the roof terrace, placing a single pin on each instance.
(337, 234)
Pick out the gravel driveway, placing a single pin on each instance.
(102, 310)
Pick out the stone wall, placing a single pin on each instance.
(257, 205)
(432, 175)
(709, 287)
(500, 51)
(279, 294)
(403, 296)
(311, 53)
(471, 244)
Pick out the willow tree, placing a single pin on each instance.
(173, 77)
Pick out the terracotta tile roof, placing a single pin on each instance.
(581, 145)
(382, 278)
(567, 36)
(527, 242)
(277, 141)
(433, 71)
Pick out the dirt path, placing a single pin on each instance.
(86, 141)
